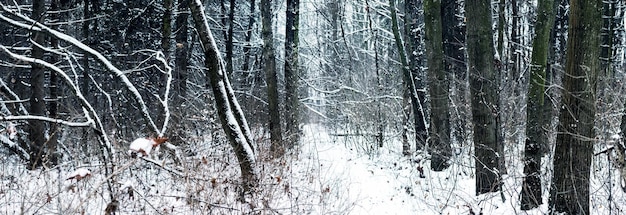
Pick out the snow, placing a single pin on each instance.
(142, 146)
(79, 174)
(329, 175)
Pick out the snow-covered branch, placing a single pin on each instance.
(36, 26)
(98, 123)
(47, 119)
(13, 146)
(6, 89)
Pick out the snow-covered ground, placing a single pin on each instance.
(328, 176)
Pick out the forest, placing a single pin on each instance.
(312, 107)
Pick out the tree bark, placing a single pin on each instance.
(411, 66)
(484, 91)
(246, 49)
(229, 37)
(292, 101)
(225, 102)
(439, 134)
(166, 27)
(454, 61)
(179, 74)
(269, 61)
(531, 187)
(37, 129)
(569, 192)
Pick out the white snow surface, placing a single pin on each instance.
(79, 173)
(142, 145)
(329, 175)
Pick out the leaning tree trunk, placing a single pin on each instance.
(531, 188)
(484, 91)
(439, 134)
(224, 100)
(569, 192)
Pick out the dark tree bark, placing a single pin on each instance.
(166, 27)
(269, 62)
(182, 49)
(246, 49)
(484, 91)
(292, 101)
(225, 100)
(229, 37)
(439, 135)
(37, 129)
(411, 65)
(179, 74)
(569, 192)
(454, 62)
(535, 135)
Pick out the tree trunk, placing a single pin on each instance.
(439, 134)
(413, 85)
(569, 192)
(229, 37)
(292, 102)
(246, 49)
(179, 74)
(269, 62)
(37, 128)
(166, 27)
(531, 188)
(225, 101)
(484, 91)
(454, 60)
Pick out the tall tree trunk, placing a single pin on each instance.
(225, 101)
(269, 62)
(292, 76)
(531, 188)
(37, 128)
(166, 27)
(484, 91)
(246, 49)
(229, 37)
(411, 65)
(454, 61)
(569, 192)
(179, 74)
(439, 134)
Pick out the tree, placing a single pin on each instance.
(37, 128)
(166, 27)
(269, 66)
(439, 134)
(569, 192)
(228, 109)
(535, 136)
(230, 36)
(292, 101)
(180, 74)
(484, 94)
(454, 62)
(411, 66)
(246, 49)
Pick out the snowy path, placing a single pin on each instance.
(364, 186)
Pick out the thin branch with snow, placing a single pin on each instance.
(97, 125)
(36, 26)
(47, 119)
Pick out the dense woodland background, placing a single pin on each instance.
(493, 85)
